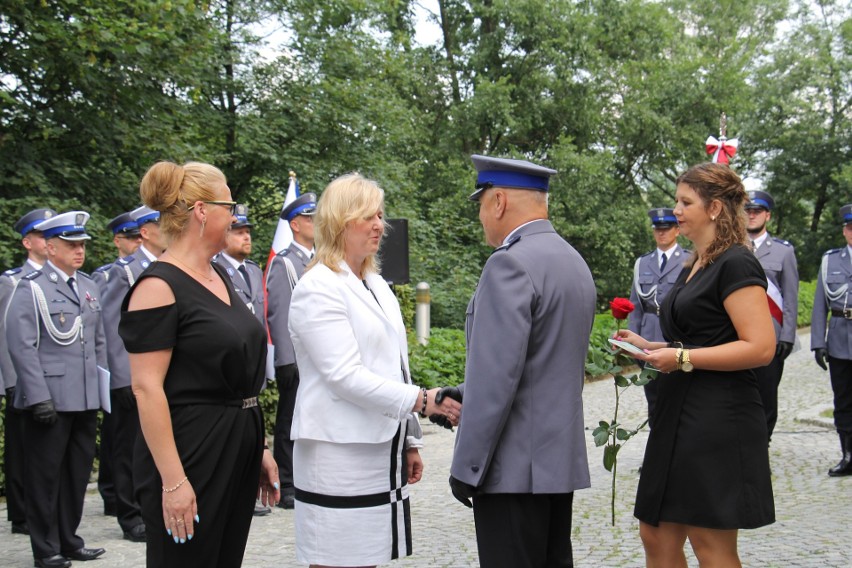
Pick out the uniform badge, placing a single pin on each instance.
(53, 277)
(230, 271)
(145, 264)
(62, 318)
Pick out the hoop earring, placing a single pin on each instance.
(203, 223)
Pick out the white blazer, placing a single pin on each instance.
(350, 351)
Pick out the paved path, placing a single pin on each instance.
(812, 509)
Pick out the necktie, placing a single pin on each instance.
(73, 286)
(753, 248)
(663, 262)
(244, 272)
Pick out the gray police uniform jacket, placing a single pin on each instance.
(833, 293)
(527, 332)
(778, 259)
(253, 299)
(280, 282)
(650, 287)
(67, 374)
(8, 281)
(116, 281)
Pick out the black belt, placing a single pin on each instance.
(653, 308)
(845, 313)
(243, 403)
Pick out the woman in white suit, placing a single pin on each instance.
(355, 429)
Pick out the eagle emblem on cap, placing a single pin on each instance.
(80, 219)
(48, 214)
(660, 213)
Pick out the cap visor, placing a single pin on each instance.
(77, 237)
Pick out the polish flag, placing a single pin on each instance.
(773, 295)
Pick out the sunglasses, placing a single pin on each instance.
(231, 205)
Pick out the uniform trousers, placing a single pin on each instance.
(125, 429)
(106, 476)
(59, 462)
(768, 380)
(13, 464)
(523, 530)
(287, 377)
(841, 383)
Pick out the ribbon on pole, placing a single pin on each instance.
(722, 149)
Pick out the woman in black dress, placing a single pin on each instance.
(197, 358)
(706, 468)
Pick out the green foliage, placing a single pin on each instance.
(439, 363)
(806, 303)
(268, 402)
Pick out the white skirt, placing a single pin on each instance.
(351, 502)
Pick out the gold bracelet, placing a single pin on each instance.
(679, 357)
(176, 487)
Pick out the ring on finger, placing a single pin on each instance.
(180, 521)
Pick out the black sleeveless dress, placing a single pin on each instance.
(707, 462)
(218, 360)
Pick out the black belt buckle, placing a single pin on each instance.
(847, 313)
(249, 402)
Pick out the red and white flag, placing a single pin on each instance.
(283, 234)
(776, 302)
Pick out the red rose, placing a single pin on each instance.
(621, 307)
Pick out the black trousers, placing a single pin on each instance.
(522, 530)
(841, 383)
(287, 377)
(768, 380)
(106, 481)
(59, 462)
(125, 429)
(13, 464)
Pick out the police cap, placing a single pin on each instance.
(26, 223)
(662, 218)
(506, 172)
(124, 224)
(759, 200)
(241, 213)
(70, 226)
(305, 204)
(145, 214)
(846, 214)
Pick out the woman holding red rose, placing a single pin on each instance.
(706, 468)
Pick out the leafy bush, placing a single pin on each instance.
(441, 362)
(806, 303)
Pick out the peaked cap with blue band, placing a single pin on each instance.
(70, 226)
(125, 225)
(26, 223)
(241, 213)
(144, 214)
(305, 204)
(662, 218)
(505, 172)
(846, 214)
(759, 200)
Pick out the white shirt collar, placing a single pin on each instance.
(147, 253)
(64, 276)
(231, 260)
(668, 252)
(516, 229)
(761, 239)
(308, 253)
(34, 264)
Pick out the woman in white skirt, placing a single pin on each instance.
(355, 427)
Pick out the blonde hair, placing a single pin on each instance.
(717, 181)
(348, 198)
(171, 189)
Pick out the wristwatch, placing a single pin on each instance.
(686, 365)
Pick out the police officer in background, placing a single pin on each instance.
(246, 278)
(13, 461)
(56, 340)
(654, 275)
(245, 274)
(118, 279)
(125, 237)
(834, 296)
(778, 260)
(283, 272)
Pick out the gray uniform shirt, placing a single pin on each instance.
(650, 287)
(833, 292)
(527, 332)
(279, 290)
(8, 281)
(778, 260)
(251, 295)
(46, 369)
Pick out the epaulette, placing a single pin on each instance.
(508, 245)
(284, 252)
(103, 268)
(126, 260)
(831, 251)
(32, 275)
(252, 262)
(648, 254)
(215, 257)
(781, 241)
(12, 271)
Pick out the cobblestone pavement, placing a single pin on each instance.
(810, 507)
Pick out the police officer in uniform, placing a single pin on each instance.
(283, 272)
(654, 274)
(778, 260)
(833, 342)
(245, 274)
(246, 278)
(520, 449)
(56, 340)
(118, 279)
(126, 239)
(13, 463)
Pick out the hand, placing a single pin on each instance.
(631, 338)
(783, 349)
(180, 509)
(447, 405)
(819, 355)
(463, 492)
(441, 420)
(10, 394)
(45, 412)
(415, 465)
(451, 392)
(124, 398)
(268, 490)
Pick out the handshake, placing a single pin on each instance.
(448, 418)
